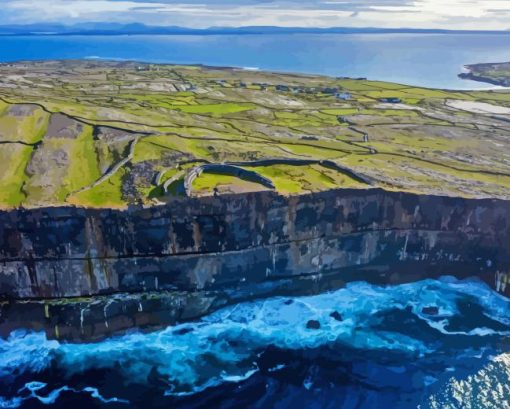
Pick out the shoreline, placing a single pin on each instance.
(470, 74)
(162, 62)
(178, 263)
(191, 255)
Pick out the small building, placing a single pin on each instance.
(282, 88)
(330, 91)
(344, 96)
(390, 100)
(263, 86)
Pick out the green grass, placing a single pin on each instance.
(355, 85)
(208, 181)
(279, 175)
(3, 106)
(106, 194)
(28, 129)
(341, 111)
(14, 159)
(221, 123)
(216, 109)
(83, 169)
(491, 96)
(64, 165)
(310, 178)
(389, 112)
(151, 148)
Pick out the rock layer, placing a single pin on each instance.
(195, 255)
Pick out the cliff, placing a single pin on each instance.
(181, 260)
(492, 73)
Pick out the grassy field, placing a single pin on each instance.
(109, 134)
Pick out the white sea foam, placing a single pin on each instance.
(51, 397)
(23, 351)
(235, 335)
(487, 388)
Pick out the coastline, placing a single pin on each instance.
(472, 77)
(471, 74)
(178, 262)
(87, 272)
(246, 46)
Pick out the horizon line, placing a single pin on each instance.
(140, 28)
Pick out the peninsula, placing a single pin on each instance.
(492, 73)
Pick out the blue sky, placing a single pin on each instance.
(453, 14)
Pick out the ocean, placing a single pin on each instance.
(373, 347)
(429, 60)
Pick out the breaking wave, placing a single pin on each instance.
(423, 343)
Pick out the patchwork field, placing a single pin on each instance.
(111, 134)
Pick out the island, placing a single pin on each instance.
(492, 73)
(139, 195)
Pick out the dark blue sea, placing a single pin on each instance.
(374, 347)
(431, 60)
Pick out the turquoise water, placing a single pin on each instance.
(431, 60)
(384, 351)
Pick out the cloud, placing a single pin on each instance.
(472, 14)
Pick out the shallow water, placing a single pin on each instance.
(383, 351)
(430, 60)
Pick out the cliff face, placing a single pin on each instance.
(249, 245)
(492, 73)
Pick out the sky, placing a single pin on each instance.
(449, 14)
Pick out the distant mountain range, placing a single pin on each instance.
(135, 28)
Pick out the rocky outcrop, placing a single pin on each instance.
(502, 82)
(492, 73)
(194, 255)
